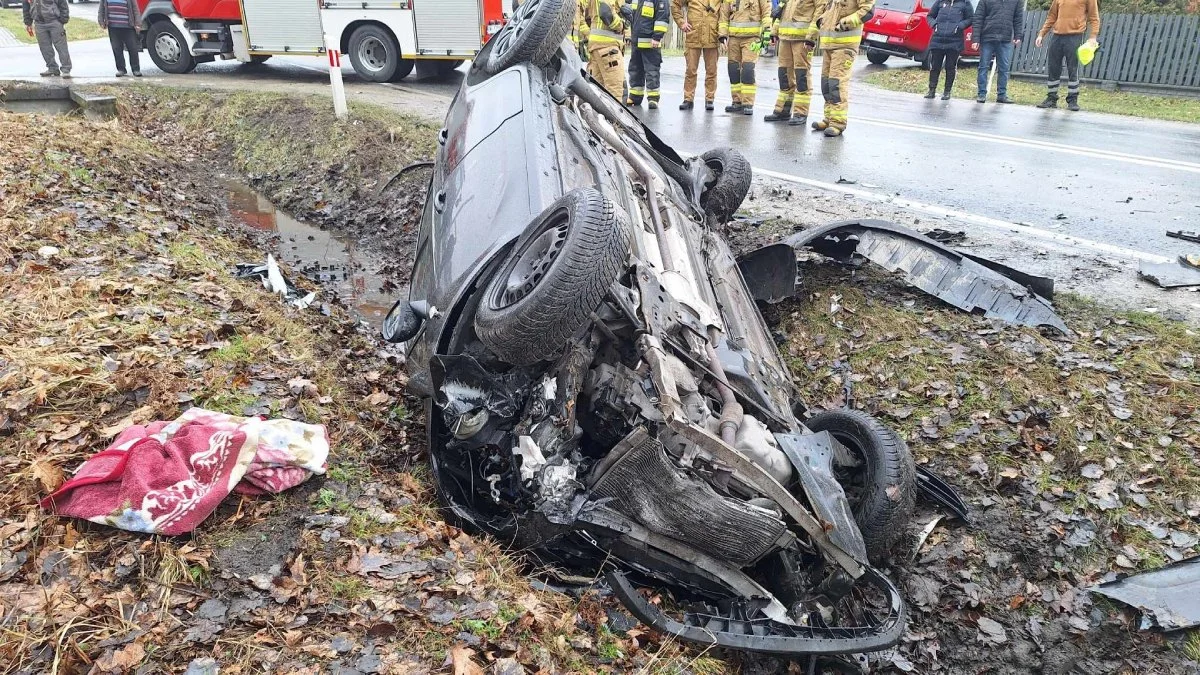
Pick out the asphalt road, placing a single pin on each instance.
(1113, 184)
(1116, 180)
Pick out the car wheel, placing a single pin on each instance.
(168, 49)
(877, 57)
(260, 58)
(554, 279)
(375, 54)
(723, 196)
(535, 31)
(877, 473)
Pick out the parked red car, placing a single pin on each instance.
(899, 28)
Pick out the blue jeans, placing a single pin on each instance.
(1002, 51)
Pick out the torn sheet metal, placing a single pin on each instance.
(940, 271)
(1176, 274)
(1168, 598)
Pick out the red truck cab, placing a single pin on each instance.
(899, 28)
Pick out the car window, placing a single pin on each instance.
(906, 6)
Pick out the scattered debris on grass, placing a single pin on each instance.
(1169, 598)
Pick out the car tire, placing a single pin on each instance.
(375, 54)
(260, 58)
(877, 57)
(554, 278)
(168, 49)
(533, 34)
(879, 478)
(724, 195)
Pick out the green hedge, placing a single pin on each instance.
(1135, 6)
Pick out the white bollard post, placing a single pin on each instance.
(335, 79)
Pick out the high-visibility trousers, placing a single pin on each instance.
(835, 84)
(606, 66)
(645, 68)
(741, 70)
(795, 79)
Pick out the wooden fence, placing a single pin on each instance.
(1144, 49)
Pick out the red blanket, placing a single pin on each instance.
(167, 477)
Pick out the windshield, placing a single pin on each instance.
(906, 6)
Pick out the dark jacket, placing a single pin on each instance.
(999, 21)
(651, 19)
(134, 16)
(45, 11)
(949, 19)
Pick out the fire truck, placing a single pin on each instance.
(385, 39)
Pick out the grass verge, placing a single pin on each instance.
(1171, 108)
(77, 29)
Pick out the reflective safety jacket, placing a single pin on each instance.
(834, 13)
(745, 18)
(796, 20)
(605, 24)
(651, 18)
(703, 15)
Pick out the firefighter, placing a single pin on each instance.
(793, 29)
(579, 29)
(840, 26)
(745, 25)
(606, 44)
(698, 20)
(650, 21)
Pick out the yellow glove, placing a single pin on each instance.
(850, 22)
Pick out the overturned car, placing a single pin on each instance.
(602, 390)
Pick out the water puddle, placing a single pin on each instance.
(336, 264)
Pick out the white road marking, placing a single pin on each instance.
(1142, 160)
(1005, 226)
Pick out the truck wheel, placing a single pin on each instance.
(723, 195)
(375, 55)
(533, 34)
(553, 280)
(877, 57)
(168, 49)
(878, 475)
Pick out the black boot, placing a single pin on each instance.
(782, 116)
(687, 105)
(1073, 103)
(733, 108)
(1050, 102)
(931, 93)
(708, 105)
(798, 121)
(946, 94)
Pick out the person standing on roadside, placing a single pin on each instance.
(606, 45)
(698, 20)
(121, 19)
(745, 25)
(47, 20)
(796, 34)
(949, 19)
(651, 18)
(997, 30)
(840, 24)
(1067, 19)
